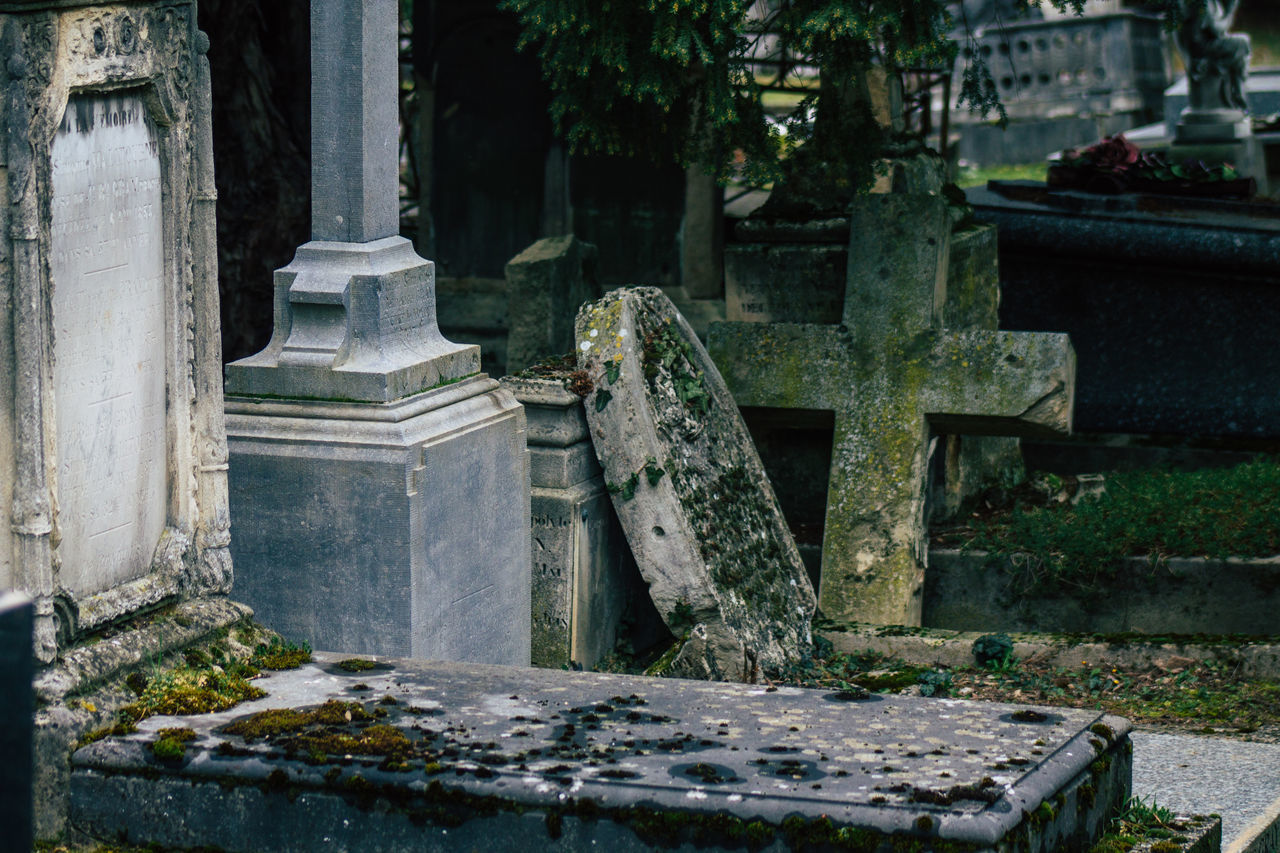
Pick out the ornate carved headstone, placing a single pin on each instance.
(110, 365)
(894, 376)
(689, 489)
(379, 479)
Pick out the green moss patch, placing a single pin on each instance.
(189, 690)
(171, 745)
(356, 665)
(279, 654)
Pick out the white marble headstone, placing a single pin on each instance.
(108, 341)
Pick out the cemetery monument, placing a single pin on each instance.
(110, 361)
(379, 481)
(699, 513)
(1216, 126)
(111, 432)
(894, 377)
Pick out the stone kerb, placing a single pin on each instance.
(116, 487)
(688, 487)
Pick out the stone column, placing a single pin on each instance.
(379, 481)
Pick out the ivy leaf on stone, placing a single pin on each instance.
(603, 397)
(612, 370)
(627, 488)
(653, 471)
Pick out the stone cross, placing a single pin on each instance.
(894, 377)
(355, 311)
(379, 480)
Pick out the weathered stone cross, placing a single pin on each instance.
(355, 313)
(894, 377)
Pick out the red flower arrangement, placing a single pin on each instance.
(1115, 165)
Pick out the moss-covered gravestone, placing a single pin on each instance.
(895, 378)
(693, 499)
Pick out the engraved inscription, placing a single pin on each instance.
(108, 342)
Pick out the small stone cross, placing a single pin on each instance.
(894, 377)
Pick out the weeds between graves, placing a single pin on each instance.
(1207, 697)
(1139, 821)
(1050, 546)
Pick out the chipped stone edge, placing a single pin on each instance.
(86, 666)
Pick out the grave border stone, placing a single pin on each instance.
(155, 51)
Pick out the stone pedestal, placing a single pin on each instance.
(585, 582)
(380, 480)
(386, 529)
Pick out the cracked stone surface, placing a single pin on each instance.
(411, 749)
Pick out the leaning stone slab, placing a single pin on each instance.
(415, 755)
(689, 489)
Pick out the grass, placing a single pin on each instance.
(977, 176)
(1053, 546)
(1139, 821)
(1206, 697)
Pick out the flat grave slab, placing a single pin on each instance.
(425, 755)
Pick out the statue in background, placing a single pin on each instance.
(1217, 62)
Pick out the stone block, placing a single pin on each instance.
(386, 530)
(492, 757)
(699, 513)
(587, 594)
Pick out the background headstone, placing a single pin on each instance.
(894, 377)
(688, 487)
(379, 480)
(112, 436)
(1063, 82)
(546, 284)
